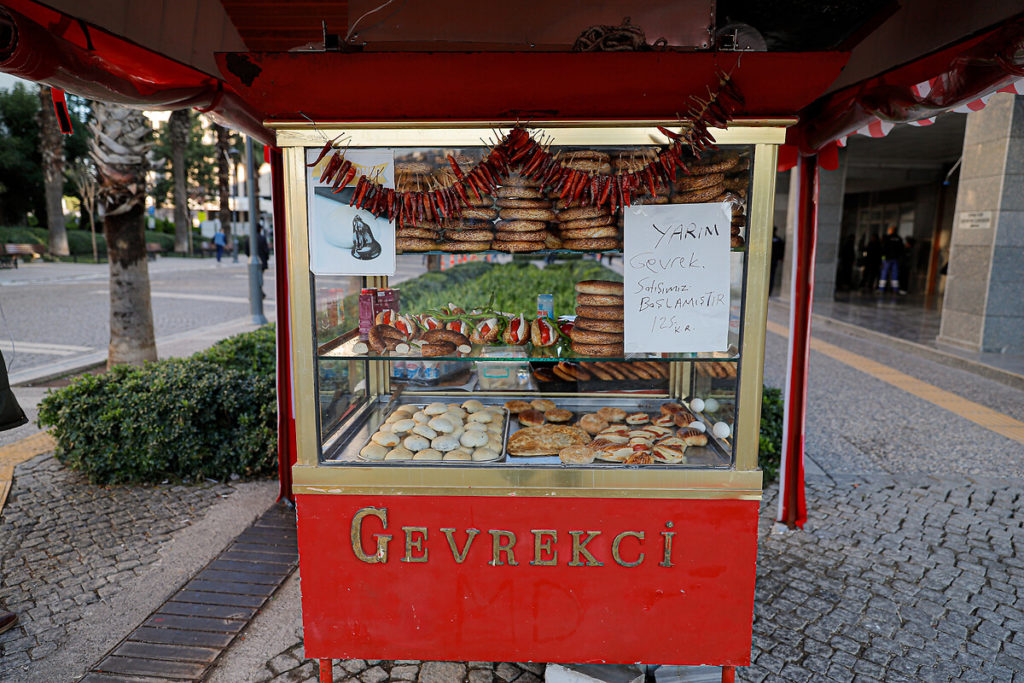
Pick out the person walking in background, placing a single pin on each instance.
(778, 252)
(892, 252)
(906, 264)
(872, 262)
(220, 240)
(262, 248)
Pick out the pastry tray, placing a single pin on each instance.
(342, 448)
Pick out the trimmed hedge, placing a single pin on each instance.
(770, 446)
(79, 241)
(212, 415)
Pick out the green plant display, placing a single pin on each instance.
(208, 416)
(770, 441)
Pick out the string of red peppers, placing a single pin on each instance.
(520, 151)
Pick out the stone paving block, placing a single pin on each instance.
(443, 672)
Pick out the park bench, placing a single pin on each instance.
(152, 249)
(28, 252)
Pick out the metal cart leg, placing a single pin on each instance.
(326, 671)
(728, 674)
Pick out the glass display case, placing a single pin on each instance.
(489, 306)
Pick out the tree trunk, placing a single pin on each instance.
(119, 145)
(179, 127)
(132, 340)
(51, 148)
(223, 178)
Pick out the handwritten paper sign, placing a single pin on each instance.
(344, 240)
(677, 277)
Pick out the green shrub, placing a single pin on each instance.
(208, 416)
(770, 446)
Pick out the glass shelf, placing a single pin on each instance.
(515, 354)
(539, 252)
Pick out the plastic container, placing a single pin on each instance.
(511, 375)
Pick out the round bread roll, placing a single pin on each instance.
(436, 408)
(598, 232)
(479, 213)
(531, 418)
(441, 425)
(424, 430)
(736, 241)
(576, 455)
(518, 192)
(597, 244)
(543, 404)
(484, 454)
(599, 287)
(688, 183)
(599, 300)
(581, 213)
(608, 350)
(373, 451)
(399, 454)
(612, 414)
(429, 454)
(579, 224)
(527, 214)
(477, 427)
(592, 424)
(558, 415)
(473, 439)
(421, 417)
(638, 419)
(516, 247)
(592, 337)
(601, 312)
(472, 406)
(458, 454)
(445, 443)
(516, 406)
(584, 323)
(386, 439)
(403, 426)
(416, 442)
(405, 244)
(481, 416)
(524, 203)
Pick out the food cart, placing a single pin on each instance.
(493, 547)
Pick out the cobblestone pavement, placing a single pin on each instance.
(66, 546)
(290, 667)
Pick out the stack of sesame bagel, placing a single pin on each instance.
(524, 213)
(598, 330)
(720, 178)
(587, 228)
(473, 230)
(413, 175)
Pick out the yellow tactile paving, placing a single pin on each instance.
(975, 412)
(19, 452)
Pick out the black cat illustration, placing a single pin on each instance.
(364, 246)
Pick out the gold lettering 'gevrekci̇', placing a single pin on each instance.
(418, 543)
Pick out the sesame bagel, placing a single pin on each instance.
(598, 287)
(599, 300)
(520, 226)
(589, 154)
(596, 325)
(580, 212)
(481, 213)
(599, 244)
(601, 312)
(524, 203)
(589, 166)
(517, 246)
(714, 165)
(514, 192)
(520, 181)
(416, 232)
(527, 214)
(453, 245)
(697, 182)
(533, 236)
(597, 349)
(591, 337)
(404, 244)
(591, 233)
(706, 194)
(470, 235)
(603, 219)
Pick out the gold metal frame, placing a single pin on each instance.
(742, 482)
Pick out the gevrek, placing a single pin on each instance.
(628, 548)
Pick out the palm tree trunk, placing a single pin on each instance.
(223, 178)
(51, 148)
(179, 127)
(119, 145)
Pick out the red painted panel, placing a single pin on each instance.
(468, 86)
(697, 611)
